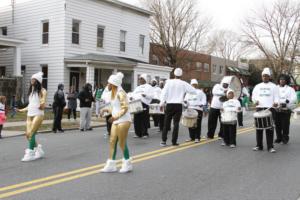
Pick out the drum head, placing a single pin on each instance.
(190, 113)
(262, 113)
(236, 86)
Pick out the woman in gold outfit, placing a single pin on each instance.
(121, 121)
(35, 115)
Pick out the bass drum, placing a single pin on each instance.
(235, 85)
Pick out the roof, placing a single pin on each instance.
(204, 84)
(129, 6)
(102, 59)
(10, 42)
(238, 70)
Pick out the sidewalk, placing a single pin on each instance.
(5, 133)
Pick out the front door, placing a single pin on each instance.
(74, 80)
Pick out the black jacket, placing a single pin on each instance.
(59, 99)
(86, 98)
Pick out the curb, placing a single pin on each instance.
(50, 131)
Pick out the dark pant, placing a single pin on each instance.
(72, 111)
(229, 133)
(161, 122)
(269, 134)
(108, 124)
(240, 118)
(156, 119)
(282, 122)
(58, 111)
(195, 133)
(1, 126)
(141, 122)
(173, 111)
(214, 116)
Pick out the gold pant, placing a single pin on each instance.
(119, 134)
(33, 124)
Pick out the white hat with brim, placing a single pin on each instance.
(194, 81)
(266, 71)
(144, 76)
(178, 72)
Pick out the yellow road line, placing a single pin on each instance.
(50, 183)
(89, 168)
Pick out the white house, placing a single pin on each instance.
(77, 41)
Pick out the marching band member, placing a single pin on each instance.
(265, 96)
(162, 116)
(142, 119)
(244, 94)
(35, 115)
(156, 96)
(229, 129)
(196, 102)
(219, 96)
(121, 121)
(173, 95)
(287, 98)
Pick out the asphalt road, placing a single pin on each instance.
(205, 171)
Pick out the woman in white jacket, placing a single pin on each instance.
(121, 122)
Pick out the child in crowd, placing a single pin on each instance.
(229, 119)
(2, 113)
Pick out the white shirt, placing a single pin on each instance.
(34, 104)
(156, 92)
(287, 93)
(174, 91)
(231, 105)
(116, 108)
(106, 95)
(2, 108)
(266, 94)
(245, 92)
(217, 92)
(196, 101)
(145, 89)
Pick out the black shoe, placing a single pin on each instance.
(89, 129)
(175, 144)
(61, 131)
(81, 130)
(163, 144)
(54, 131)
(277, 141)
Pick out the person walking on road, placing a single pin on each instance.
(121, 121)
(35, 114)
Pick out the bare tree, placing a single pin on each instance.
(176, 25)
(227, 44)
(275, 32)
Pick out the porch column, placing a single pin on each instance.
(90, 74)
(17, 61)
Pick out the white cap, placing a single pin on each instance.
(228, 91)
(178, 72)
(194, 81)
(144, 76)
(266, 71)
(116, 79)
(226, 79)
(38, 76)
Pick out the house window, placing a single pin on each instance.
(100, 36)
(2, 71)
(206, 67)
(4, 30)
(45, 33)
(45, 76)
(155, 60)
(199, 66)
(142, 44)
(214, 69)
(75, 31)
(122, 41)
(221, 69)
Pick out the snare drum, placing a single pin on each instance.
(105, 106)
(154, 109)
(189, 118)
(263, 119)
(229, 117)
(135, 106)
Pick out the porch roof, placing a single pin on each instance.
(6, 42)
(100, 58)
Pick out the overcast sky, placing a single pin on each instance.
(226, 14)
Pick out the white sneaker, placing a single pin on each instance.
(110, 166)
(272, 150)
(223, 144)
(197, 140)
(126, 166)
(29, 155)
(39, 152)
(232, 146)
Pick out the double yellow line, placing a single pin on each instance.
(79, 173)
